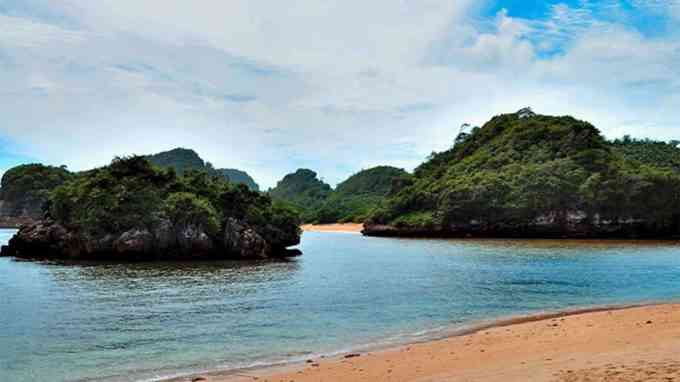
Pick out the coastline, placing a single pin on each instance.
(632, 341)
(336, 228)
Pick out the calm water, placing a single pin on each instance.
(144, 321)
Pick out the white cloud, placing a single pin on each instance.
(335, 86)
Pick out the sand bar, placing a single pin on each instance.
(631, 344)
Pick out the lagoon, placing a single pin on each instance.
(149, 321)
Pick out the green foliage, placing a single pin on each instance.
(27, 187)
(304, 191)
(131, 193)
(239, 177)
(185, 160)
(356, 198)
(649, 152)
(519, 168)
(352, 201)
(187, 209)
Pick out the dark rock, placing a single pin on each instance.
(194, 241)
(353, 355)
(47, 239)
(243, 241)
(134, 241)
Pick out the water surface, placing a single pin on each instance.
(129, 322)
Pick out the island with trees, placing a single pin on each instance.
(529, 175)
(133, 210)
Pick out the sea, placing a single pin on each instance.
(154, 321)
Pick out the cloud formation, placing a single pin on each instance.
(333, 86)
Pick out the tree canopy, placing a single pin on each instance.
(519, 169)
(131, 193)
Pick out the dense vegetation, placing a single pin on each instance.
(26, 188)
(132, 194)
(649, 152)
(522, 172)
(354, 199)
(304, 191)
(183, 160)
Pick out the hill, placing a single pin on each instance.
(133, 210)
(304, 191)
(183, 160)
(25, 190)
(649, 152)
(354, 199)
(528, 175)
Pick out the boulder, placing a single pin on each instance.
(243, 241)
(193, 241)
(134, 241)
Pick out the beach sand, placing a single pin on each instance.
(344, 227)
(631, 344)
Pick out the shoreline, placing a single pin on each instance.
(378, 362)
(333, 228)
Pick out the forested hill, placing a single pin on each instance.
(524, 174)
(649, 152)
(304, 191)
(25, 190)
(182, 160)
(352, 201)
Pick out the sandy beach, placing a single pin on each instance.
(630, 344)
(343, 227)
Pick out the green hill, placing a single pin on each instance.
(303, 190)
(355, 198)
(239, 177)
(524, 174)
(26, 188)
(182, 160)
(133, 210)
(649, 152)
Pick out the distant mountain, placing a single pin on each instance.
(352, 201)
(238, 176)
(25, 190)
(182, 160)
(530, 175)
(355, 198)
(304, 191)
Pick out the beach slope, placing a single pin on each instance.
(632, 344)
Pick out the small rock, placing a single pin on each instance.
(198, 379)
(353, 355)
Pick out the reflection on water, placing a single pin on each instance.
(126, 322)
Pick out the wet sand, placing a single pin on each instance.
(630, 344)
(344, 227)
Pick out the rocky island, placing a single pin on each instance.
(133, 210)
(529, 175)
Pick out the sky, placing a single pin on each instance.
(334, 86)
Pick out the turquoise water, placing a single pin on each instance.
(145, 321)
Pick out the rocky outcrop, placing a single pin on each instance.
(244, 241)
(576, 226)
(47, 239)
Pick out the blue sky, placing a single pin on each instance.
(334, 86)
